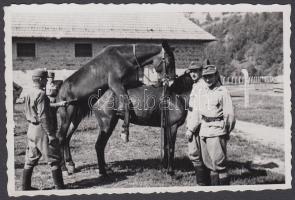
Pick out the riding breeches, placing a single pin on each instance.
(194, 151)
(38, 146)
(214, 152)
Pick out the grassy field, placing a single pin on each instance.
(137, 163)
(263, 109)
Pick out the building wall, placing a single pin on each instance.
(60, 53)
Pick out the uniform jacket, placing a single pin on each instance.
(37, 107)
(53, 87)
(211, 103)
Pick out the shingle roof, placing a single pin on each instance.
(149, 25)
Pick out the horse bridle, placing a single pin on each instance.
(134, 54)
(163, 60)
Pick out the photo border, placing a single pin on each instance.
(9, 106)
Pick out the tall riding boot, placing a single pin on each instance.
(214, 176)
(58, 179)
(202, 175)
(27, 176)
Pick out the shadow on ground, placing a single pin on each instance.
(125, 168)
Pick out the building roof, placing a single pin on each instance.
(149, 25)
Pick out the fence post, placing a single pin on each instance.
(246, 88)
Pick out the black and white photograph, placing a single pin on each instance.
(147, 98)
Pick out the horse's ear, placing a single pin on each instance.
(165, 45)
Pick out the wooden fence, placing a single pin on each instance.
(240, 80)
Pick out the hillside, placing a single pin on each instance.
(246, 40)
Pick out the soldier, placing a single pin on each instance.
(52, 86)
(215, 114)
(192, 134)
(41, 132)
(17, 90)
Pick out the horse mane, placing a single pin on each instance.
(183, 83)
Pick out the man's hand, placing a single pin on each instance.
(64, 103)
(188, 135)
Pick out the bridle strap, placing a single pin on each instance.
(134, 54)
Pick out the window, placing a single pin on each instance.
(83, 50)
(26, 50)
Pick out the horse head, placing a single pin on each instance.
(182, 84)
(161, 57)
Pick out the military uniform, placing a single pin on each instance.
(17, 90)
(52, 87)
(214, 114)
(41, 134)
(194, 147)
(37, 107)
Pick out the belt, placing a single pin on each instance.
(212, 119)
(34, 123)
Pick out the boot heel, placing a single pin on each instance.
(58, 179)
(27, 178)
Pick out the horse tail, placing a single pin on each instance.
(83, 108)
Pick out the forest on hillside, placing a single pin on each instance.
(246, 40)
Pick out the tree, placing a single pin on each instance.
(255, 40)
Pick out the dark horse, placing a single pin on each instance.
(113, 68)
(145, 111)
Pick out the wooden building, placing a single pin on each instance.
(68, 40)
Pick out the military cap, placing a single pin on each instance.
(194, 65)
(209, 69)
(51, 74)
(40, 73)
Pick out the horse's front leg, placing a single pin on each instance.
(165, 158)
(107, 123)
(171, 149)
(67, 150)
(62, 133)
(123, 109)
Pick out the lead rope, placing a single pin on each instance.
(164, 107)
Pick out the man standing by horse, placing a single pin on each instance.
(17, 90)
(192, 134)
(52, 87)
(41, 132)
(214, 113)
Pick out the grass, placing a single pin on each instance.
(263, 109)
(137, 163)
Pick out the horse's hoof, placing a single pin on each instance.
(103, 172)
(165, 165)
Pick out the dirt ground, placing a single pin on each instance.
(137, 163)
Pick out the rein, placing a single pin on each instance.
(165, 125)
